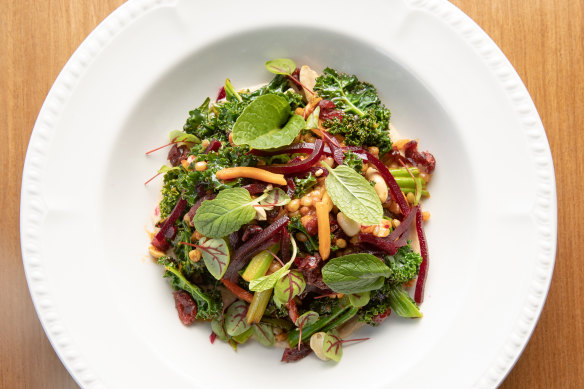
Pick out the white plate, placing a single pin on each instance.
(492, 236)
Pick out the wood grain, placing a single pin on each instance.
(543, 39)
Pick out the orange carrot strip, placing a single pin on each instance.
(324, 229)
(251, 172)
(238, 291)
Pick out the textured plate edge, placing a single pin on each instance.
(545, 212)
(31, 202)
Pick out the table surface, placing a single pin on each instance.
(543, 39)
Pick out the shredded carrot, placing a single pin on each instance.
(324, 229)
(251, 172)
(238, 291)
(327, 200)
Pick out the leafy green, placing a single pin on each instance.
(230, 92)
(348, 93)
(353, 161)
(209, 304)
(288, 287)
(312, 120)
(332, 347)
(225, 157)
(401, 302)
(307, 318)
(170, 194)
(244, 336)
(355, 273)
(266, 123)
(225, 214)
(295, 224)
(283, 66)
(218, 328)
(180, 136)
(303, 185)
(371, 129)
(264, 334)
(215, 255)
(359, 299)
(235, 318)
(268, 282)
(276, 198)
(404, 265)
(351, 192)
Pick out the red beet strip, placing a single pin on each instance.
(159, 240)
(299, 148)
(214, 146)
(299, 166)
(421, 282)
(394, 189)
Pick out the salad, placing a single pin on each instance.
(290, 213)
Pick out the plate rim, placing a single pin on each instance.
(545, 212)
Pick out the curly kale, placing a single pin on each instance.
(325, 306)
(353, 161)
(346, 91)
(170, 194)
(209, 303)
(217, 120)
(369, 130)
(303, 185)
(404, 265)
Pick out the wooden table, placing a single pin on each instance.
(543, 39)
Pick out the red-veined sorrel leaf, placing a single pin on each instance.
(288, 287)
(333, 347)
(264, 334)
(219, 329)
(216, 256)
(305, 319)
(359, 300)
(276, 198)
(235, 321)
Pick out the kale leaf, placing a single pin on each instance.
(347, 92)
(353, 161)
(170, 194)
(303, 185)
(404, 265)
(295, 225)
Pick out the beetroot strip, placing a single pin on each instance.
(159, 240)
(299, 166)
(421, 282)
(394, 189)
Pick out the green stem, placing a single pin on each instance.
(313, 328)
(342, 319)
(408, 182)
(259, 264)
(402, 172)
(425, 193)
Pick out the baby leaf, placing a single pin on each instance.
(230, 92)
(215, 255)
(180, 136)
(235, 320)
(306, 318)
(268, 282)
(231, 209)
(283, 66)
(218, 328)
(333, 347)
(351, 192)
(243, 337)
(166, 169)
(355, 273)
(275, 198)
(288, 287)
(266, 123)
(312, 121)
(402, 304)
(359, 300)
(263, 333)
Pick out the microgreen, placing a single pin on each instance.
(284, 66)
(264, 334)
(288, 287)
(307, 318)
(215, 254)
(235, 318)
(230, 92)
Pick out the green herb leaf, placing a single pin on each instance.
(354, 196)
(230, 92)
(266, 123)
(264, 334)
(359, 300)
(288, 287)
(166, 169)
(235, 318)
(243, 337)
(180, 136)
(282, 66)
(218, 328)
(225, 214)
(268, 282)
(215, 255)
(355, 273)
(332, 347)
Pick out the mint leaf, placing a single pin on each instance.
(266, 123)
(354, 196)
(231, 209)
(355, 273)
(268, 282)
(215, 255)
(282, 66)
